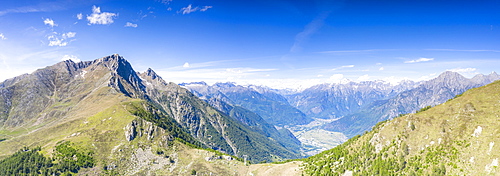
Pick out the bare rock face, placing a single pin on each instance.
(131, 131)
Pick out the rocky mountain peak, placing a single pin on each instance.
(123, 76)
(114, 62)
(448, 78)
(151, 73)
(449, 74)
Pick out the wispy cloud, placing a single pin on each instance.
(166, 2)
(496, 51)
(344, 66)
(129, 24)
(205, 8)
(419, 60)
(309, 29)
(17, 59)
(213, 74)
(42, 7)
(98, 17)
(189, 9)
(2, 37)
(355, 51)
(200, 65)
(462, 70)
(49, 22)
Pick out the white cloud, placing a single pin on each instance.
(205, 8)
(459, 50)
(344, 66)
(54, 41)
(79, 16)
(69, 35)
(98, 17)
(355, 51)
(60, 40)
(49, 22)
(129, 24)
(166, 2)
(463, 70)
(381, 68)
(394, 80)
(70, 57)
(189, 9)
(419, 60)
(337, 78)
(364, 78)
(186, 65)
(2, 37)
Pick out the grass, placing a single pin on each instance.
(436, 140)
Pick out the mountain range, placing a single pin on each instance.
(429, 93)
(101, 117)
(346, 109)
(458, 137)
(104, 106)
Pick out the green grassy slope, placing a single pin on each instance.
(459, 137)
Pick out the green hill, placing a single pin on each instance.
(459, 137)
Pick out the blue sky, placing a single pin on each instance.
(275, 43)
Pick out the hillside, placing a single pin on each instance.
(458, 137)
(221, 102)
(106, 108)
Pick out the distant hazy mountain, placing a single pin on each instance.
(458, 137)
(329, 101)
(222, 103)
(271, 106)
(429, 93)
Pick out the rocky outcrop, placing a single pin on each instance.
(131, 131)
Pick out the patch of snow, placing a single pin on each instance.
(82, 74)
(477, 131)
